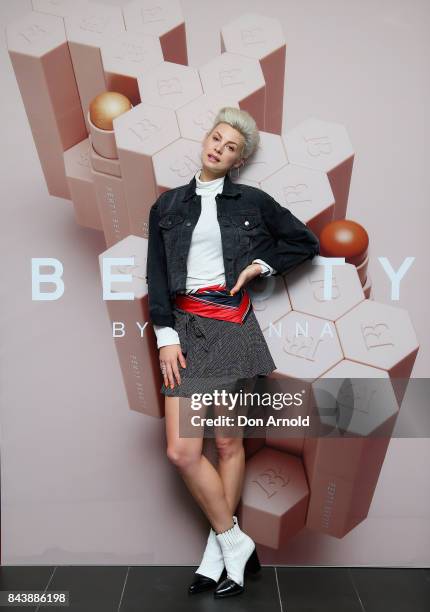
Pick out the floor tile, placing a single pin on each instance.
(319, 589)
(27, 578)
(161, 589)
(92, 588)
(392, 589)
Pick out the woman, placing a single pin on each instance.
(205, 243)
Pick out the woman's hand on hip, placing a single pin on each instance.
(169, 356)
(245, 276)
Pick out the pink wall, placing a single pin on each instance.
(84, 479)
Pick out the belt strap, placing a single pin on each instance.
(215, 301)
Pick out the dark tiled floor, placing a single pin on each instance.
(282, 589)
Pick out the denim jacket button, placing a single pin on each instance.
(188, 223)
(246, 222)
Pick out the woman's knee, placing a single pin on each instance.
(229, 447)
(182, 457)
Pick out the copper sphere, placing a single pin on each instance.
(105, 107)
(344, 238)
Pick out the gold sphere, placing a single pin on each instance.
(105, 107)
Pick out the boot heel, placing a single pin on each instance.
(253, 564)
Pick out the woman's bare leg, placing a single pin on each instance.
(231, 468)
(231, 454)
(201, 478)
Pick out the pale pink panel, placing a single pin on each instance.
(76, 160)
(382, 336)
(362, 270)
(305, 287)
(177, 163)
(161, 18)
(103, 141)
(269, 298)
(112, 206)
(367, 288)
(261, 38)
(137, 350)
(303, 346)
(140, 134)
(252, 445)
(287, 436)
(103, 164)
(169, 85)
(86, 32)
(238, 77)
(43, 69)
(268, 158)
(274, 499)
(305, 192)
(60, 8)
(324, 146)
(126, 56)
(197, 117)
(343, 470)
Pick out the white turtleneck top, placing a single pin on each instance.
(205, 264)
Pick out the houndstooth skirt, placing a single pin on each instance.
(219, 354)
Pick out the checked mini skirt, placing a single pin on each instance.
(218, 353)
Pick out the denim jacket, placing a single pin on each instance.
(252, 225)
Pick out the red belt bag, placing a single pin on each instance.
(216, 302)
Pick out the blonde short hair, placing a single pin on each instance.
(244, 123)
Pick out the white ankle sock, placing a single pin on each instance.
(236, 547)
(212, 562)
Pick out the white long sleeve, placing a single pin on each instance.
(266, 269)
(166, 335)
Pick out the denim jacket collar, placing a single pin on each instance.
(229, 189)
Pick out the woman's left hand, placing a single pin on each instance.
(245, 276)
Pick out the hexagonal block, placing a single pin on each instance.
(305, 287)
(307, 193)
(136, 346)
(355, 399)
(197, 117)
(268, 158)
(41, 61)
(169, 85)
(269, 299)
(262, 38)
(290, 399)
(81, 185)
(140, 134)
(303, 346)
(177, 163)
(125, 57)
(85, 33)
(112, 205)
(60, 8)
(99, 163)
(343, 469)
(382, 336)
(163, 19)
(324, 146)
(275, 497)
(238, 77)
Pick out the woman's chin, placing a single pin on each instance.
(213, 169)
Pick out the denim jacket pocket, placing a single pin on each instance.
(247, 226)
(170, 220)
